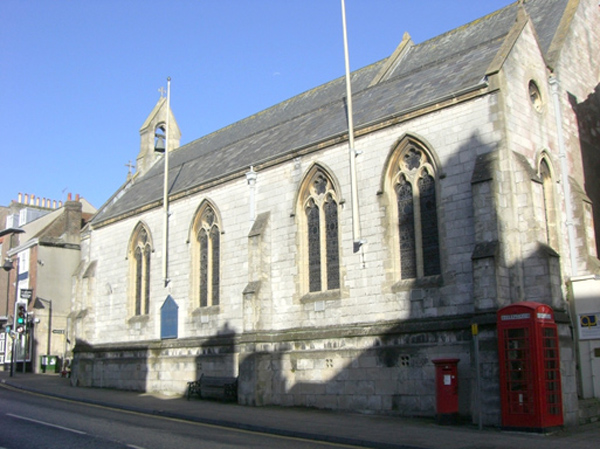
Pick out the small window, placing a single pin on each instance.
(535, 96)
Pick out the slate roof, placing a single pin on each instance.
(432, 70)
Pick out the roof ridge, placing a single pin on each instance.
(469, 24)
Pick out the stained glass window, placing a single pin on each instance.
(412, 159)
(216, 254)
(209, 258)
(142, 251)
(314, 247)
(429, 226)
(203, 239)
(416, 202)
(406, 224)
(333, 259)
(322, 233)
(147, 279)
(138, 281)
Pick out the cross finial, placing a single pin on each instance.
(129, 165)
(162, 92)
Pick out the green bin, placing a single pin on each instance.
(49, 364)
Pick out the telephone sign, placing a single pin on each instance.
(26, 293)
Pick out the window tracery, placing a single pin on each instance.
(321, 223)
(413, 185)
(208, 256)
(141, 250)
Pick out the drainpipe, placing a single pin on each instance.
(562, 156)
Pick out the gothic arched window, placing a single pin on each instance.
(140, 251)
(413, 183)
(208, 256)
(321, 233)
(549, 208)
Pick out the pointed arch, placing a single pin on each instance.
(401, 144)
(317, 208)
(314, 167)
(545, 170)
(140, 255)
(410, 181)
(205, 235)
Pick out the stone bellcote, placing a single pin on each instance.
(155, 122)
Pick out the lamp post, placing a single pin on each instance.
(9, 265)
(38, 305)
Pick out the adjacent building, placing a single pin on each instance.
(40, 253)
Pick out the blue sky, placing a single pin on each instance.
(79, 77)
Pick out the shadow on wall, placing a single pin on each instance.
(219, 354)
(120, 366)
(379, 364)
(384, 366)
(588, 122)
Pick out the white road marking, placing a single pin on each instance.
(46, 424)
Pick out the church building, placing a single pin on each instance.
(326, 276)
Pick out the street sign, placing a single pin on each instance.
(26, 293)
(58, 331)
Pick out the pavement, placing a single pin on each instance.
(355, 429)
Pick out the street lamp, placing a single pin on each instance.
(38, 305)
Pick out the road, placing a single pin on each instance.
(34, 421)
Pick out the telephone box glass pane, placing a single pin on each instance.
(518, 367)
(552, 370)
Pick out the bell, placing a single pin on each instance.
(159, 144)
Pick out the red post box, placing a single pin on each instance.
(446, 381)
(529, 366)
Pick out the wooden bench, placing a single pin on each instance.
(214, 387)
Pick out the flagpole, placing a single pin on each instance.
(166, 189)
(352, 152)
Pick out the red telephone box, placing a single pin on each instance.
(446, 382)
(529, 367)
